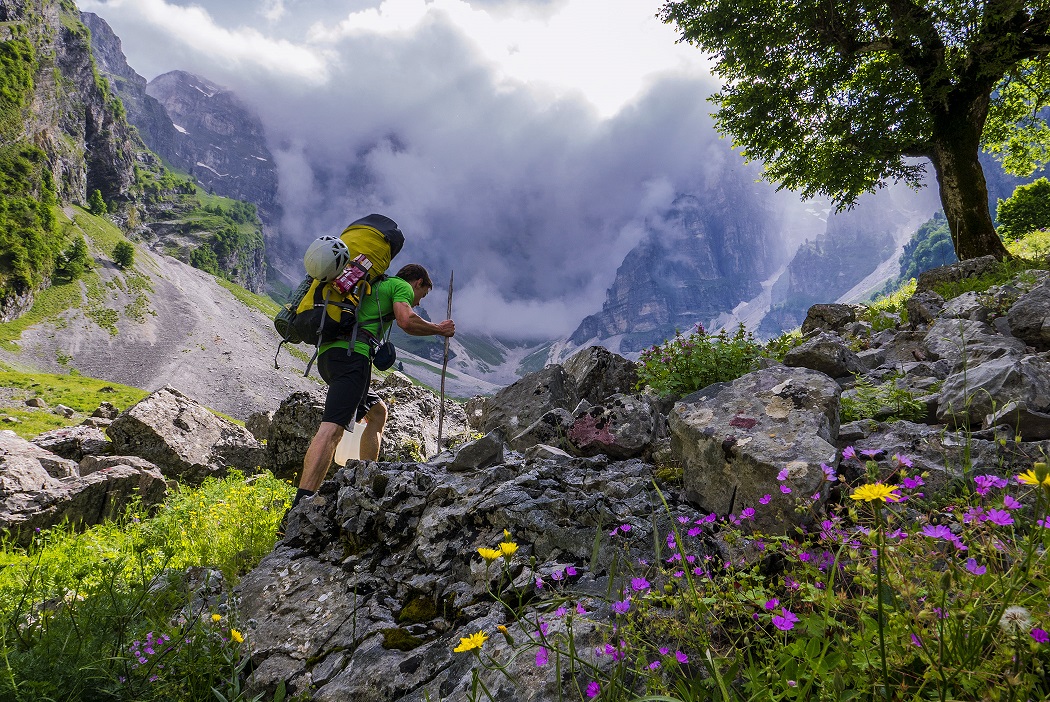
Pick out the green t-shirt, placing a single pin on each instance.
(376, 305)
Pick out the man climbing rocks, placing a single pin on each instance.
(348, 374)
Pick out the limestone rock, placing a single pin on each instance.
(16, 450)
(517, 406)
(598, 373)
(955, 272)
(735, 438)
(1029, 317)
(552, 428)
(623, 426)
(829, 317)
(184, 439)
(1029, 424)
(74, 442)
(106, 410)
(923, 308)
(826, 353)
(482, 453)
(970, 394)
(294, 423)
(963, 341)
(258, 423)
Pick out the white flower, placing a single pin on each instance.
(1015, 619)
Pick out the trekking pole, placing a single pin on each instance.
(444, 365)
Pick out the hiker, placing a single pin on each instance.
(348, 374)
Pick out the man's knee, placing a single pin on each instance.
(328, 433)
(376, 416)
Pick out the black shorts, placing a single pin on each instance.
(349, 397)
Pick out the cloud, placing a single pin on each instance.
(166, 32)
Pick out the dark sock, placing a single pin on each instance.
(300, 494)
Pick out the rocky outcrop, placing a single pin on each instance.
(185, 440)
(741, 442)
(39, 489)
(378, 573)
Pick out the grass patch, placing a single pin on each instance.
(47, 306)
(1000, 274)
(261, 303)
(75, 608)
(102, 233)
(73, 390)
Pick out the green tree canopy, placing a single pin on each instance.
(124, 254)
(96, 205)
(1027, 210)
(838, 98)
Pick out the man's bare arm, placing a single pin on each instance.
(415, 325)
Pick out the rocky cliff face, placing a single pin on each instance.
(72, 117)
(707, 254)
(143, 111)
(220, 142)
(57, 111)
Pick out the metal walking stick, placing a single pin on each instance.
(444, 365)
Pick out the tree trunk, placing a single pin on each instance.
(964, 191)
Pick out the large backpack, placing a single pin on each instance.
(317, 311)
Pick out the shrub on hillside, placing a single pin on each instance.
(124, 254)
(1027, 210)
(687, 363)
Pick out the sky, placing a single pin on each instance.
(522, 143)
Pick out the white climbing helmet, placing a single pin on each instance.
(326, 258)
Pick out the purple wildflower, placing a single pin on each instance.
(999, 517)
(539, 583)
(903, 460)
(541, 657)
(971, 565)
(772, 604)
(557, 575)
(916, 641)
(664, 650)
(785, 489)
(829, 472)
(1010, 503)
(593, 688)
(1045, 523)
(654, 665)
(913, 482)
(849, 452)
(640, 584)
(782, 475)
(937, 532)
(570, 571)
(1040, 635)
(765, 499)
(747, 513)
(870, 454)
(785, 621)
(683, 659)
(621, 606)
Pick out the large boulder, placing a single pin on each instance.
(32, 499)
(384, 558)
(971, 393)
(1029, 317)
(185, 440)
(551, 429)
(598, 373)
(74, 443)
(735, 439)
(621, 427)
(970, 268)
(514, 408)
(964, 342)
(829, 317)
(410, 432)
(292, 426)
(826, 353)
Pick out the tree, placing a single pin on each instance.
(96, 205)
(839, 97)
(1027, 210)
(124, 254)
(75, 260)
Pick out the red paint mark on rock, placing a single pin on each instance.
(743, 422)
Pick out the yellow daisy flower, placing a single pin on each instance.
(876, 491)
(471, 642)
(236, 635)
(490, 554)
(508, 548)
(216, 617)
(1030, 478)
